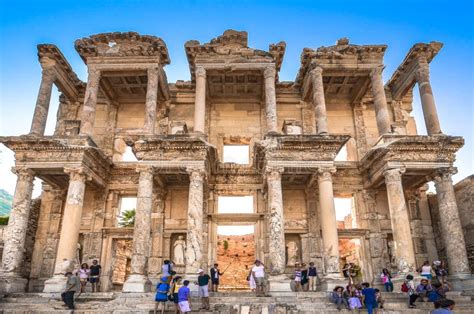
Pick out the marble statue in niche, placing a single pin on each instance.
(179, 249)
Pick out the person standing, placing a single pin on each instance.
(95, 275)
(312, 275)
(174, 292)
(73, 285)
(84, 273)
(203, 283)
(215, 276)
(167, 269)
(410, 288)
(304, 277)
(258, 274)
(251, 281)
(183, 298)
(386, 277)
(370, 298)
(297, 275)
(161, 296)
(425, 270)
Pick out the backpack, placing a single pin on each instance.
(404, 287)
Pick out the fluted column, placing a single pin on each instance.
(276, 228)
(319, 101)
(66, 258)
(328, 222)
(90, 102)
(450, 223)
(200, 100)
(422, 75)
(38, 124)
(151, 98)
(403, 244)
(15, 233)
(380, 101)
(194, 239)
(138, 280)
(270, 99)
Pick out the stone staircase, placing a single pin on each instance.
(222, 302)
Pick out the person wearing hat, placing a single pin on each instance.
(161, 295)
(73, 285)
(203, 283)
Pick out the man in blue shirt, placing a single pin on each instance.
(444, 306)
(370, 298)
(183, 298)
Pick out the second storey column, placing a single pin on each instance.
(200, 100)
(40, 116)
(422, 75)
(90, 102)
(151, 98)
(380, 101)
(319, 101)
(270, 99)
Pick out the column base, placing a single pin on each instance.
(279, 283)
(332, 280)
(462, 282)
(55, 284)
(11, 283)
(137, 283)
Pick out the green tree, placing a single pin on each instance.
(127, 219)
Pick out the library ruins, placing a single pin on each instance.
(328, 168)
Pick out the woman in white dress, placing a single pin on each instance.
(251, 281)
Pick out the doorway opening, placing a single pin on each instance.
(235, 255)
(121, 262)
(350, 252)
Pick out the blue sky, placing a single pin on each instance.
(399, 24)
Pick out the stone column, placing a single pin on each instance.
(318, 100)
(151, 97)
(66, 258)
(270, 99)
(200, 100)
(138, 280)
(194, 241)
(403, 244)
(90, 102)
(11, 279)
(276, 228)
(380, 102)
(451, 228)
(48, 75)
(328, 222)
(422, 75)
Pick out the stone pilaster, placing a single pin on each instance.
(138, 279)
(90, 102)
(276, 242)
(360, 129)
(328, 222)
(15, 234)
(318, 101)
(380, 101)
(151, 97)
(451, 228)
(422, 75)
(403, 244)
(38, 125)
(194, 239)
(270, 99)
(200, 100)
(66, 258)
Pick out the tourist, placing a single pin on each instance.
(425, 270)
(95, 275)
(370, 298)
(304, 277)
(203, 283)
(354, 302)
(423, 288)
(183, 298)
(176, 284)
(161, 296)
(441, 271)
(258, 274)
(215, 276)
(445, 306)
(73, 285)
(438, 292)
(380, 300)
(251, 281)
(84, 273)
(409, 287)
(386, 277)
(346, 271)
(297, 275)
(337, 297)
(312, 275)
(167, 268)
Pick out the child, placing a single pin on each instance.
(412, 296)
(183, 298)
(297, 277)
(387, 280)
(354, 302)
(423, 288)
(174, 292)
(370, 299)
(161, 295)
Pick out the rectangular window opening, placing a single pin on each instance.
(126, 214)
(239, 154)
(345, 213)
(235, 204)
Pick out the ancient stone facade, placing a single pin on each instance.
(179, 132)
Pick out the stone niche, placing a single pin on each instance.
(293, 249)
(178, 239)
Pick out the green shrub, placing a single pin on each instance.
(4, 220)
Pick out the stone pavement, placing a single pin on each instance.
(223, 302)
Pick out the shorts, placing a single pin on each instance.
(260, 281)
(175, 298)
(204, 291)
(184, 306)
(94, 279)
(215, 281)
(427, 276)
(83, 280)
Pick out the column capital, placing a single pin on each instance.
(148, 170)
(196, 173)
(422, 72)
(393, 174)
(317, 70)
(444, 175)
(77, 174)
(200, 71)
(48, 73)
(325, 173)
(273, 172)
(24, 173)
(269, 72)
(377, 70)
